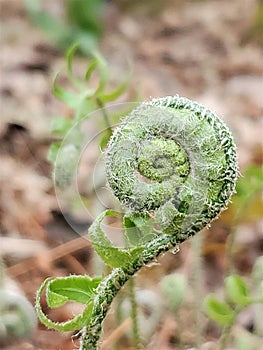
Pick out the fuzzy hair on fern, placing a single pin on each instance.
(172, 165)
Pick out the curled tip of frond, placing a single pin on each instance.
(174, 158)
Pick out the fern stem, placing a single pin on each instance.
(114, 282)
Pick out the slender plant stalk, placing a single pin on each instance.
(134, 316)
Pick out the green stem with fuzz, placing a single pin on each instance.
(114, 282)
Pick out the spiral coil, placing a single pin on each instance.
(175, 160)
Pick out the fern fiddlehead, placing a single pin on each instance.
(176, 158)
(171, 160)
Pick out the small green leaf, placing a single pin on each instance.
(237, 290)
(70, 54)
(69, 58)
(75, 323)
(111, 255)
(103, 73)
(218, 311)
(75, 288)
(91, 68)
(113, 95)
(60, 125)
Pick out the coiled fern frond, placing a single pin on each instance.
(172, 164)
(175, 159)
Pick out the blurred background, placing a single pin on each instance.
(206, 50)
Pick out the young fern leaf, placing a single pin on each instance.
(75, 288)
(172, 164)
(111, 255)
(172, 160)
(186, 160)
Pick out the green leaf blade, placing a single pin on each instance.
(218, 311)
(113, 95)
(72, 288)
(69, 58)
(237, 290)
(111, 255)
(73, 100)
(73, 324)
(103, 73)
